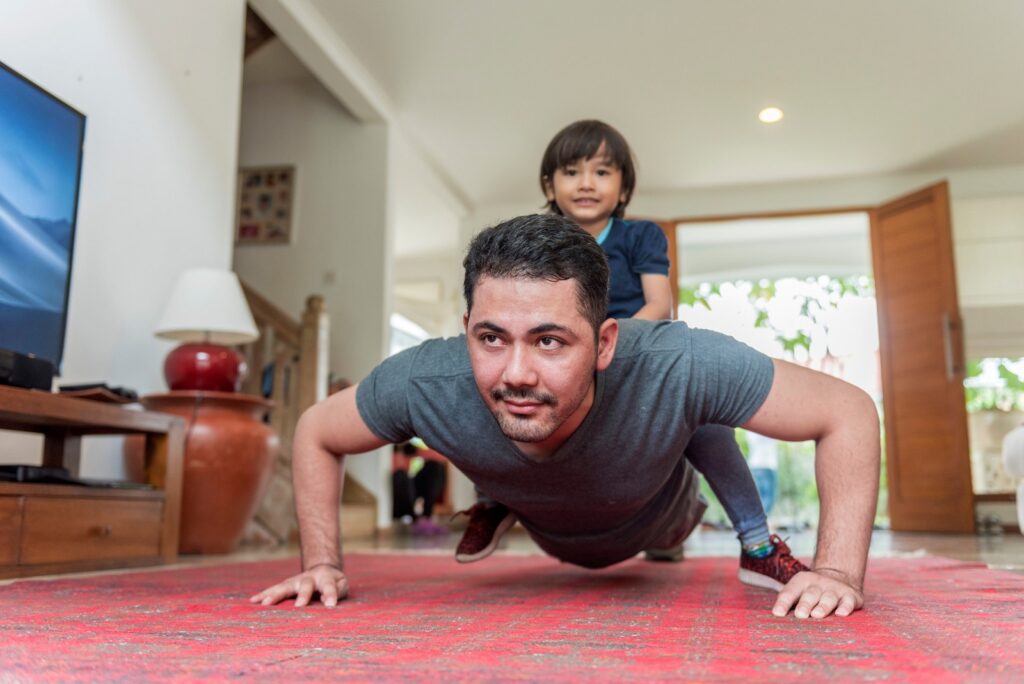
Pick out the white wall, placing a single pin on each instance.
(426, 265)
(988, 239)
(365, 195)
(426, 213)
(340, 228)
(160, 84)
(428, 291)
(427, 251)
(339, 224)
(989, 236)
(826, 193)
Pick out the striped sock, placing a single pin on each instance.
(759, 550)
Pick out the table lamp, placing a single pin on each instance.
(206, 312)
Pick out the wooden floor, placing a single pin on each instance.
(1005, 551)
(1002, 552)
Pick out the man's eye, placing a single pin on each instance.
(489, 339)
(550, 343)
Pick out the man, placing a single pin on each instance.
(544, 396)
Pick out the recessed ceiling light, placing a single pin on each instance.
(770, 115)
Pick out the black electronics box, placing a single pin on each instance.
(27, 473)
(46, 475)
(25, 370)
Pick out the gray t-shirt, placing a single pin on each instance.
(620, 482)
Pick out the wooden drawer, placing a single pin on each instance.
(10, 529)
(58, 529)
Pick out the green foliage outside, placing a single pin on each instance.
(796, 499)
(994, 385)
(796, 495)
(763, 291)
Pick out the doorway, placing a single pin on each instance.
(799, 288)
(921, 355)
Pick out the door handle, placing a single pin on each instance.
(950, 337)
(101, 531)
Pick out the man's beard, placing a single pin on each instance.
(532, 428)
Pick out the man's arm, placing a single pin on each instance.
(803, 405)
(324, 434)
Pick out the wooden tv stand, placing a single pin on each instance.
(58, 528)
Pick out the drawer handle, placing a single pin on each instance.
(101, 531)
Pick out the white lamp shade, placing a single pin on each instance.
(207, 304)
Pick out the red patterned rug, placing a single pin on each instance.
(510, 618)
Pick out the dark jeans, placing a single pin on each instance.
(714, 453)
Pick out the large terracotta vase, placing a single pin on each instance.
(229, 453)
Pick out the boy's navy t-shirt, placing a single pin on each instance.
(633, 248)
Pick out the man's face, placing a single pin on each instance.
(534, 357)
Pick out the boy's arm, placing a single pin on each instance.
(658, 299)
(802, 405)
(325, 433)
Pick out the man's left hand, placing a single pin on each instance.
(818, 594)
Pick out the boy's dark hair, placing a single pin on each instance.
(582, 140)
(541, 246)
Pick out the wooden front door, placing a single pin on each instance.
(669, 229)
(921, 340)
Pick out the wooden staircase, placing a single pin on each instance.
(288, 364)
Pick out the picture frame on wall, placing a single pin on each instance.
(265, 199)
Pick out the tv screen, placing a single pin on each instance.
(40, 163)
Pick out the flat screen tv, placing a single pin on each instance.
(40, 165)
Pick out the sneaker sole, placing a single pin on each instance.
(756, 579)
(664, 556)
(503, 527)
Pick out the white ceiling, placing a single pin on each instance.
(872, 86)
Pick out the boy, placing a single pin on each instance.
(588, 175)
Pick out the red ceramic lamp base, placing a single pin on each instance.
(204, 366)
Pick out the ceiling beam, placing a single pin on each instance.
(310, 37)
(314, 42)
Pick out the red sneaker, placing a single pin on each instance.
(770, 572)
(486, 526)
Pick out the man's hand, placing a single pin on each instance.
(324, 579)
(817, 594)
(325, 432)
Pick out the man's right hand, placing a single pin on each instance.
(326, 431)
(817, 594)
(326, 580)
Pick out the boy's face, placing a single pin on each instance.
(587, 190)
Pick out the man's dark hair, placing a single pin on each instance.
(582, 140)
(541, 246)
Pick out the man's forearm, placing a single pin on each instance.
(316, 474)
(847, 467)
